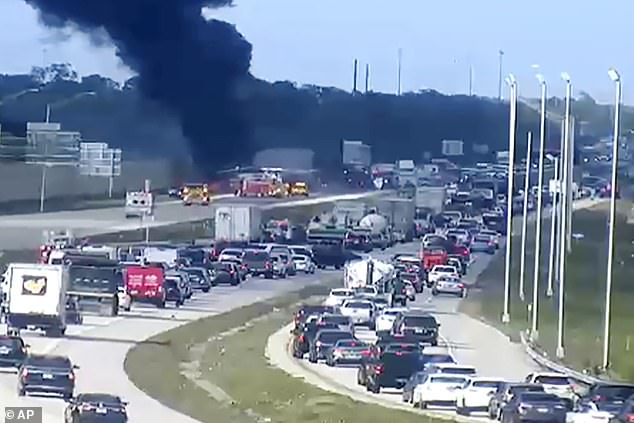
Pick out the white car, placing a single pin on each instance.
(337, 296)
(476, 395)
(230, 254)
(367, 291)
(441, 270)
(410, 291)
(588, 413)
(449, 285)
(385, 320)
(361, 312)
(461, 235)
(553, 383)
(433, 239)
(304, 264)
(438, 389)
(452, 369)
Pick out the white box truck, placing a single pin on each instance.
(37, 297)
(238, 223)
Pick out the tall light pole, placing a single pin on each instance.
(553, 232)
(64, 102)
(510, 80)
(564, 224)
(45, 165)
(399, 70)
(614, 75)
(538, 224)
(500, 63)
(470, 79)
(529, 147)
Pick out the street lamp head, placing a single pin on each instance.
(565, 76)
(540, 78)
(614, 75)
(510, 79)
(535, 66)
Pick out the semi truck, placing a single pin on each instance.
(400, 213)
(36, 298)
(238, 223)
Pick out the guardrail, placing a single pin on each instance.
(541, 358)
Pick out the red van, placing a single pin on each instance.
(146, 284)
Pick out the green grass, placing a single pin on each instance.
(584, 295)
(250, 389)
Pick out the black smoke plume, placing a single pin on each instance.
(190, 65)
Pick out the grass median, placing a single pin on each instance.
(584, 295)
(234, 381)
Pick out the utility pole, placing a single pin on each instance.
(399, 70)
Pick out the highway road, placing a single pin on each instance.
(23, 231)
(469, 340)
(100, 345)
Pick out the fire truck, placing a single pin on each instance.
(195, 193)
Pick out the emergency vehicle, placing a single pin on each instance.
(195, 193)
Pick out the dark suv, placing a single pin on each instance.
(258, 263)
(626, 415)
(391, 370)
(608, 397)
(47, 374)
(304, 334)
(325, 340)
(421, 327)
(13, 351)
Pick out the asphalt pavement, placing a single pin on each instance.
(100, 345)
(23, 231)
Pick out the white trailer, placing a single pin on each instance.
(37, 297)
(238, 223)
(356, 273)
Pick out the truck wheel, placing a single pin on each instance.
(178, 303)
(21, 392)
(114, 311)
(268, 276)
(206, 290)
(375, 389)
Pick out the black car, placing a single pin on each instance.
(422, 327)
(47, 374)
(608, 397)
(93, 408)
(226, 273)
(391, 370)
(505, 393)
(199, 278)
(323, 341)
(626, 414)
(535, 407)
(13, 351)
(173, 291)
(258, 263)
(303, 335)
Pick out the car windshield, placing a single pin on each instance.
(227, 267)
(539, 397)
(299, 258)
(420, 321)
(99, 398)
(367, 290)
(10, 342)
(444, 269)
(486, 384)
(484, 239)
(448, 379)
(513, 390)
(438, 358)
(333, 337)
(235, 253)
(336, 319)
(358, 304)
(392, 313)
(614, 391)
(48, 362)
(380, 301)
(552, 380)
(301, 251)
(255, 256)
(402, 348)
(458, 371)
(340, 293)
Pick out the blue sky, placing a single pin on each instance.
(316, 42)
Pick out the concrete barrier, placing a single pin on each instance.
(22, 182)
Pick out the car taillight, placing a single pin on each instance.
(365, 353)
(71, 376)
(318, 344)
(461, 285)
(86, 407)
(232, 273)
(160, 288)
(302, 338)
(598, 398)
(338, 351)
(630, 418)
(398, 353)
(25, 373)
(267, 264)
(378, 369)
(244, 267)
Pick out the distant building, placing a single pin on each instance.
(452, 148)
